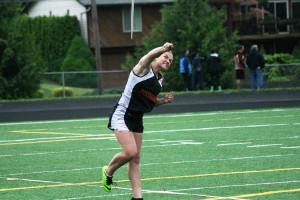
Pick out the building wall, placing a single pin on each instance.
(116, 44)
(61, 8)
(111, 26)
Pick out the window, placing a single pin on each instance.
(279, 8)
(296, 8)
(137, 20)
(296, 14)
(248, 18)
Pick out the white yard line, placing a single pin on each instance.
(216, 128)
(147, 164)
(230, 144)
(264, 145)
(147, 116)
(100, 136)
(293, 147)
(239, 185)
(115, 187)
(170, 192)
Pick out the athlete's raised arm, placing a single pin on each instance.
(144, 63)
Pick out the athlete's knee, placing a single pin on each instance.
(136, 159)
(131, 154)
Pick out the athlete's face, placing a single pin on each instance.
(165, 60)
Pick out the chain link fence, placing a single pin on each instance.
(92, 83)
(84, 83)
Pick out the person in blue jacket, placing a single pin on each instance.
(185, 68)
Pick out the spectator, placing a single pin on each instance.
(185, 68)
(240, 65)
(197, 74)
(214, 70)
(256, 63)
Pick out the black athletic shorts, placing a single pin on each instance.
(126, 120)
(240, 74)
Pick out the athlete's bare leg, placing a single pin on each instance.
(134, 168)
(128, 143)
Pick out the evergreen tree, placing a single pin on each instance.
(79, 58)
(20, 65)
(195, 25)
(296, 53)
(54, 35)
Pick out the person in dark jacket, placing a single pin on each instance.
(185, 68)
(214, 69)
(197, 75)
(256, 63)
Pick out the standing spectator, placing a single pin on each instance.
(240, 65)
(256, 63)
(185, 68)
(197, 75)
(214, 70)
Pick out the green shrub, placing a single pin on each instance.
(80, 58)
(296, 53)
(59, 92)
(39, 94)
(281, 72)
(228, 79)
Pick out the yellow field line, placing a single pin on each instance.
(61, 140)
(48, 133)
(224, 173)
(42, 186)
(268, 193)
(150, 179)
(260, 194)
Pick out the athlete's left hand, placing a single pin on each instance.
(169, 97)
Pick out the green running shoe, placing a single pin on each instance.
(106, 180)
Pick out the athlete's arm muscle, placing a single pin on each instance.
(144, 63)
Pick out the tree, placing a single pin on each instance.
(80, 58)
(20, 65)
(54, 35)
(192, 24)
(296, 53)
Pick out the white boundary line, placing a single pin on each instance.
(172, 192)
(116, 187)
(148, 116)
(166, 163)
(159, 131)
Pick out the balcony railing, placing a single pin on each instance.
(253, 26)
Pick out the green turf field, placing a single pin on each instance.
(245, 154)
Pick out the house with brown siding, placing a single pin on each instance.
(273, 24)
(115, 27)
(114, 22)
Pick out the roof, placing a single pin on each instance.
(122, 2)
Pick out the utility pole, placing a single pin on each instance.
(97, 46)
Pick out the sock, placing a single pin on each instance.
(108, 175)
(136, 198)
